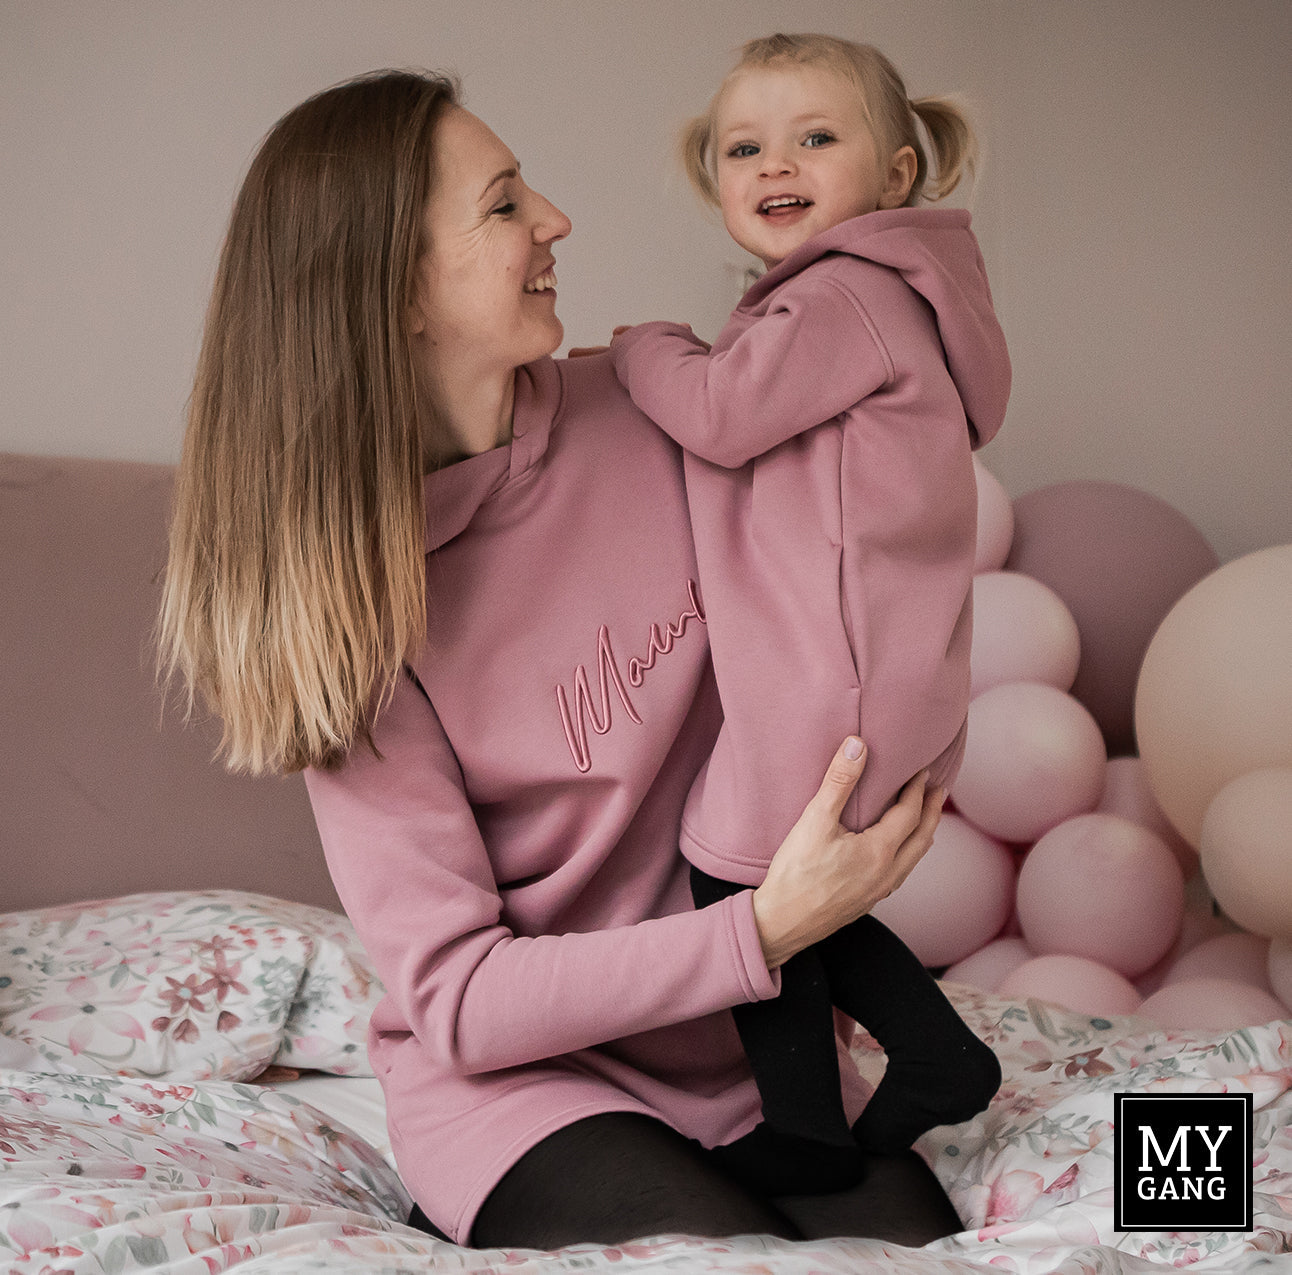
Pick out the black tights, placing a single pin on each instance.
(938, 1071)
(620, 1176)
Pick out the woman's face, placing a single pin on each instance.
(485, 294)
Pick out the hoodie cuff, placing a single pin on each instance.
(759, 982)
(622, 348)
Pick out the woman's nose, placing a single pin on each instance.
(551, 223)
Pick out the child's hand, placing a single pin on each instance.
(582, 351)
(628, 327)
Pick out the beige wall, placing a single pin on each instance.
(1133, 209)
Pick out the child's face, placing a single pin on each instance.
(796, 156)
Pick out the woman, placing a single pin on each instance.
(452, 579)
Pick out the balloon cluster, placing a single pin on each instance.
(1067, 868)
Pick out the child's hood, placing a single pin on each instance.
(937, 254)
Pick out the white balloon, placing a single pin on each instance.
(1246, 850)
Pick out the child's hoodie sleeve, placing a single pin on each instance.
(414, 875)
(814, 354)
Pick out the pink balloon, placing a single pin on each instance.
(1246, 849)
(1074, 983)
(1214, 697)
(1239, 957)
(1104, 888)
(956, 898)
(1200, 923)
(1033, 758)
(1279, 970)
(1216, 1004)
(1119, 558)
(1127, 793)
(1022, 632)
(995, 520)
(986, 968)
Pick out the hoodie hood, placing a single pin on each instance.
(936, 253)
(452, 496)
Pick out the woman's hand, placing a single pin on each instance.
(823, 877)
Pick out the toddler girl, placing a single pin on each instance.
(829, 433)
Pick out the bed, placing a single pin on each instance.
(184, 1085)
(187, 1090)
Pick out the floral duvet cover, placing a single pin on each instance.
(119, 1174)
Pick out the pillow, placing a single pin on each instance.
(190, 985)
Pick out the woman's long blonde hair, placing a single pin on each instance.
(296, 579)
(891, 114)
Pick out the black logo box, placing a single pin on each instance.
(1182, 1162)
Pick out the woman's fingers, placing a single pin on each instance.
(840, 778)
(909, 805)
(901, 837)
(823, 876)
(917, 843)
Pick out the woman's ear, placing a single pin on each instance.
(416, 314)
(900, 178)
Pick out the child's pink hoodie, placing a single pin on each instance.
(511, 862)
(832, 494)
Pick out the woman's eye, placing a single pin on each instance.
(743, 150)
(818, 137)
(505, 210)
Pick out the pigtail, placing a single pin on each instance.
(694, 143)
(955, 148)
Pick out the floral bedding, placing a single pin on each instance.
(119, 1169)
(190, 985)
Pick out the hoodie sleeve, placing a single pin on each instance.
(414, 876)
(814, 354)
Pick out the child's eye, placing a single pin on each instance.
(742, 150)
(818, 137)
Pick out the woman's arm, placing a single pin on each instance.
(414, 875)
(813, 355)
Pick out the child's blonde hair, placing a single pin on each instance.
(891, 114)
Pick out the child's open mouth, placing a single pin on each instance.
(783, 205)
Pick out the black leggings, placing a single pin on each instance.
(620, 1176)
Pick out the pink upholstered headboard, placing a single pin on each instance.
(100, 792)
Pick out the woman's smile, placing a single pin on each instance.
(543, 283)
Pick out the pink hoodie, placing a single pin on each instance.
(832, 496)
(511, 862)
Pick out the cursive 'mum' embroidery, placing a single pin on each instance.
(576, 719)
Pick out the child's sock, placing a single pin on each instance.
(938, 1071)
(914, 1098)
